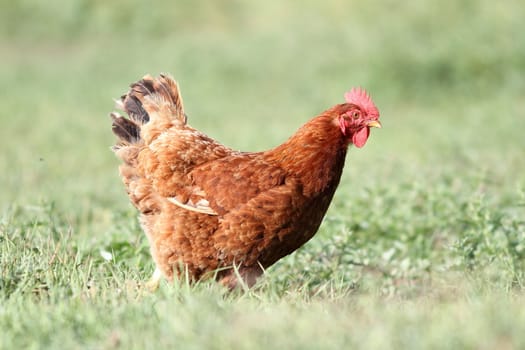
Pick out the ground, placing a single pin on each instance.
(423, 246)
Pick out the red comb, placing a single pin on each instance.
(360, 97)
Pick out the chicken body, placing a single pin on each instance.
(206, 208)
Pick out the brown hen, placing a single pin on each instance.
(206, 208)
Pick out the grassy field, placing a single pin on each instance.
(423, 246)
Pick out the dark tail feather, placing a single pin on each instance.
(148, 94)
(133, 107)
(126, 130)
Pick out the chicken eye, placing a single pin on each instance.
(355, 114)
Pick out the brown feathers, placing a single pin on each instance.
(206, 208)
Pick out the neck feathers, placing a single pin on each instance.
(315, 154)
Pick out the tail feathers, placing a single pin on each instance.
(127, 130)
(133, 107)
(149, 97)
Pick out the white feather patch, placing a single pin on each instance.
(202, 206)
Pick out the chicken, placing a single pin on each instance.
(210, 211)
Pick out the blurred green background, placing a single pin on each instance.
(433, 202)
(447, 77)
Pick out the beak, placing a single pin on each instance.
(374, 124)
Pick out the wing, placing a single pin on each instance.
(257, 205)
(255, 232)
(224, 184)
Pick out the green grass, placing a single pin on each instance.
(423, 246)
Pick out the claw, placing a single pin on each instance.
(153, 284)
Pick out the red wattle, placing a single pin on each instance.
(359, 137)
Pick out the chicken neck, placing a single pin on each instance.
(315, 155)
